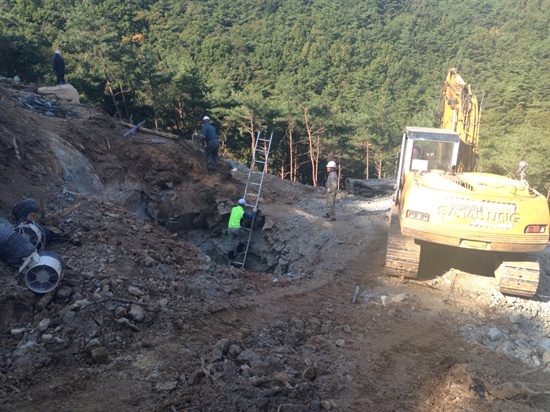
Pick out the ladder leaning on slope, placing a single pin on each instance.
(253, 188)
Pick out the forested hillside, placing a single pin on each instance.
(333, 79)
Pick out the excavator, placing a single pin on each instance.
(442, 201)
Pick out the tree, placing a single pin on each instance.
(527, 143)
(97, 52)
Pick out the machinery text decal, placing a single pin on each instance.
(480, 213)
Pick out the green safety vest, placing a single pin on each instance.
(235, 219)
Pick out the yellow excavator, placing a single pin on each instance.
(441, 200)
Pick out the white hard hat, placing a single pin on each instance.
(331, 164)
(242, 202)
(205, 118)
(57, 52)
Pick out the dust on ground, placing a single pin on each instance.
(149, 316)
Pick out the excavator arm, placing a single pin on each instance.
(461, 113)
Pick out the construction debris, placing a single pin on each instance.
(45, 107)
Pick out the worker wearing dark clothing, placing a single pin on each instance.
(331, 187)
(237, 235)
(212, 143)
(59, 67)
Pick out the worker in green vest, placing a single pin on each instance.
(237, 235)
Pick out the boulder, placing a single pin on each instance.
(64, 92)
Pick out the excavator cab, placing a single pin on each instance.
(424, 150)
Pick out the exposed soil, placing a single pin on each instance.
(150, 317)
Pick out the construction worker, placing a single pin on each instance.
(59, 67)
(237, 234)
(212, 143)
(417, 153)
(331, 186)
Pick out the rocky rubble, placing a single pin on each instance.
(525, 336)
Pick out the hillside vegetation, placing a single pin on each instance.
(333, 79)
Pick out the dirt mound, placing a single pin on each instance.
(149, 317)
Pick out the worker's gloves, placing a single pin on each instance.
(329, 191)
(255, 210)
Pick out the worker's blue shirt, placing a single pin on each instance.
(209, 132)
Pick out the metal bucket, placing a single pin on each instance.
(33, 233)
(44, 274)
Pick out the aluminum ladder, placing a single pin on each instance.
(253, 188)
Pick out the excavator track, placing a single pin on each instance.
(518, 275)
(403, 254)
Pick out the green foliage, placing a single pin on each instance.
(21, 53)
(524, 142)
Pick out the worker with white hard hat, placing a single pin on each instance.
(331, 186)
(212, 143)
(59, 67)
